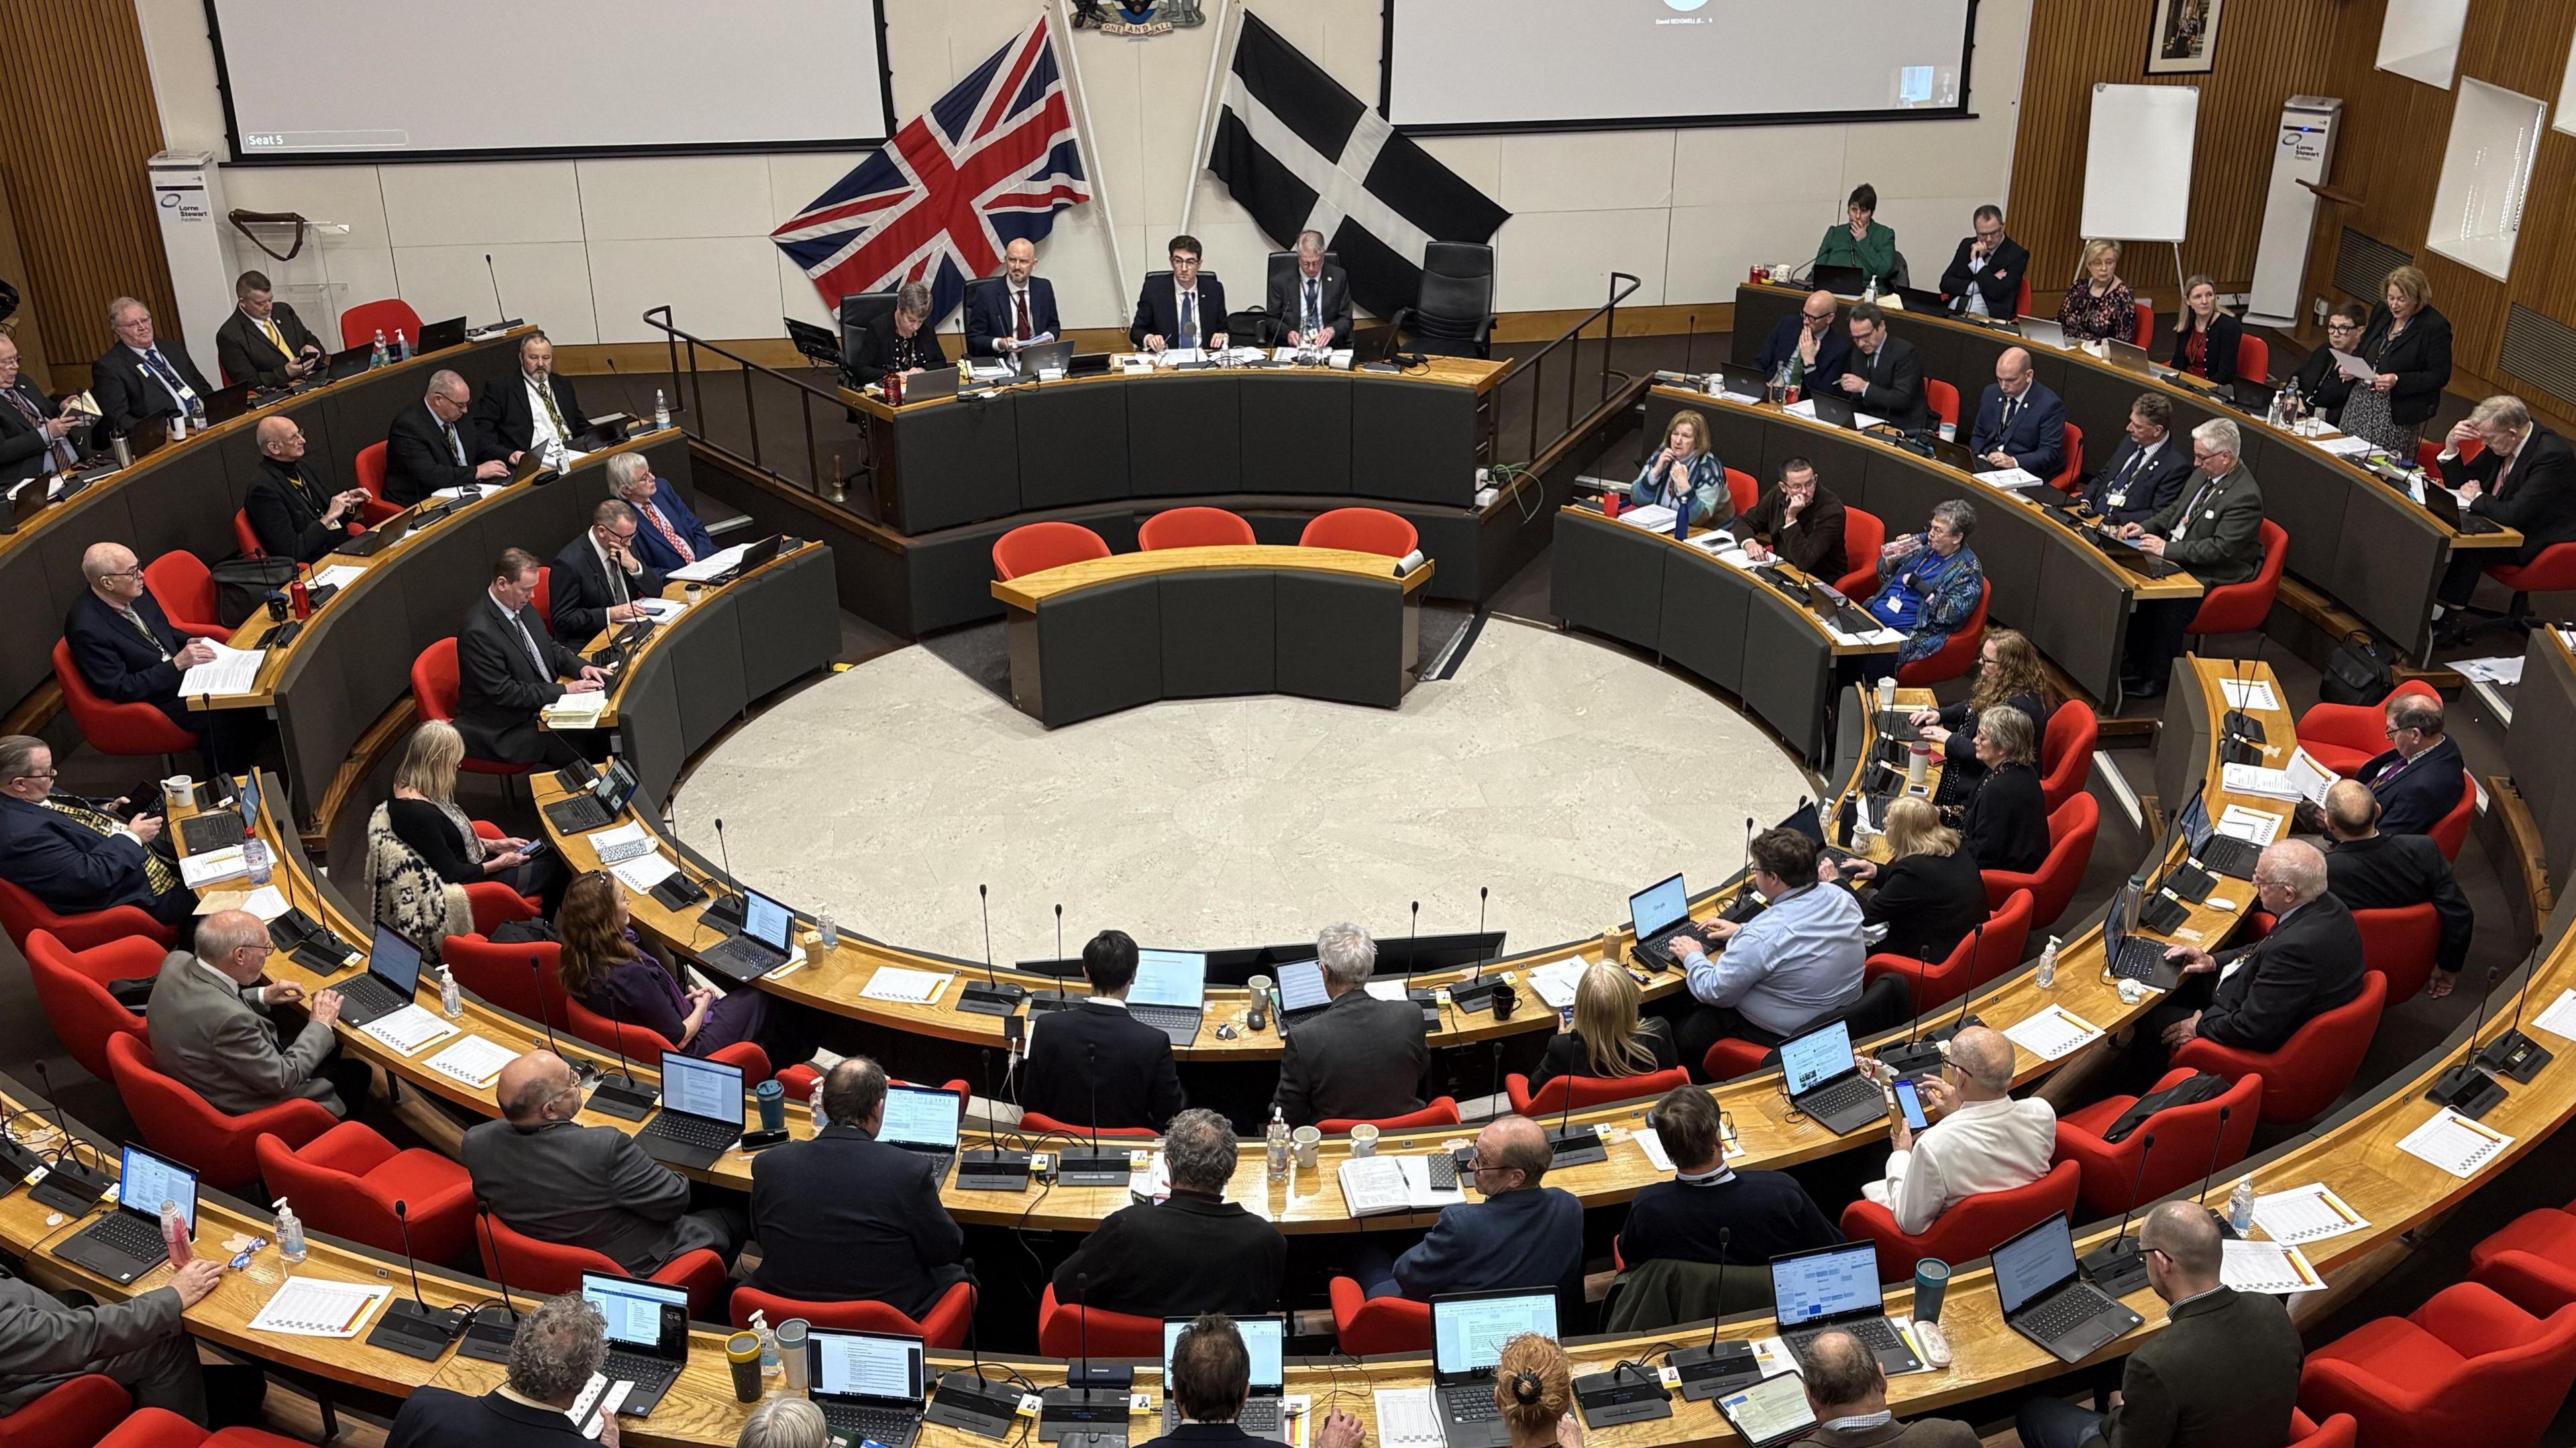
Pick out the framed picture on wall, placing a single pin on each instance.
(2184, 39)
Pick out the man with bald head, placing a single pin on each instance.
(124, 645)
(293, 513)
(1980, 1139)
(36, 436)
(1520, 1234)
(585, 1186)
(1013, 310)
(2368, 870)
(2252, 998)
(426, 448)
(210, 1029)
(1847, 1391)
(2020, 423)
(1811, 338)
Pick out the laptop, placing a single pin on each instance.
(701, 1116)
(1835, 411)
(2046, 1300)
(1170, 992)
(2042, 330)
(1916, 299)
(754, 554)
(435, 336)
(1056, 356)
(393, 975)
(126, 1243)
(1266, 1340)
(2130, 556)
(868, 1385)
(929, 385)
(760, 948)
(1746, 382)
(1468, 1330)
(377, 540)
(600, 807)
(2133, 956)
(1837, 1287)
(922, 1120)
(1842, 281)
(2445, 507)
(1824, 1081)
(1771, 1411)
(1657, 914)
(648, 1336)
(2251, 396)
(1301, 991)
(223, 829)
(2224, 853)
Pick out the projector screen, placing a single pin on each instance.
(1473, 65)
(360, 80)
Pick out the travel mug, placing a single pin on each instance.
(792, 1352)
(772, 1100)
(742, 1350)
(1931, 1280)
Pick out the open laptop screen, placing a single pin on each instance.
(633, 1308)
(701, 1088)
(1468, 1333)
(766, 920)
(2033, 1262)
(864, 1365)
(1301, 985)
(1816, 1057)
(396, 959)
(1658, 907)
(919, 1116)
(1810, 1285)
(1264, 1338)
(148, 1181)
(1169, 978)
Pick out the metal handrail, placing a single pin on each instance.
(1530, 365)
(659, 318)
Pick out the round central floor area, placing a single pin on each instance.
(1559, 772)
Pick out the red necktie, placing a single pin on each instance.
(670, 534)
(1020, 303)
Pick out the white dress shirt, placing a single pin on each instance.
(542, 437)
(160, 370)
(1980, 1146)
(1197, 313)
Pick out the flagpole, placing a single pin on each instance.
(1207, 104)
(1082, 139)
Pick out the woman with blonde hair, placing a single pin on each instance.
(1607, 1038)
(423, 849)
(1928, 894)
(1684, 476)
(1534, 1388)
(2098, 306)
(606, 968)
(2205, 337)
(2408, 346)
(2009, 675)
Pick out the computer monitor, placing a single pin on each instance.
(919, 1116)
(147, 1181)
(1827, 1282)
(634, 1309)
(765, 920)
(1659, 907)
(1816, 1057)
(394, 957)
(863, 1365)
(1468, 1330)
(701, 1088)
(2034, 1262)
(1169, 978)
(1265, 1339)
(1301, 986)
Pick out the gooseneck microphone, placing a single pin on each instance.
(500, 312)
(1914, 1054)
(2217, 1144)
(1718, 1366)
(1476, 993)
(992, 996)
(2120, 1267)
(1095, 1168)
(414, 1328)
(728, 908)
(489, 1331)
(68, 1186)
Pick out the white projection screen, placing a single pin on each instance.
(359, 80)
(1467, 65)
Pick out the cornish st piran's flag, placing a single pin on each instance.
(1302, 154)
(989, 163)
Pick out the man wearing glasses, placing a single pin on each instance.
(294, 514)
(2215, 529)
(142, 375)
(599, 575)
(1520, 1234)
(74, 858)
(1183, 310)
(1808, 339)
(1984, 279)
(129, 652)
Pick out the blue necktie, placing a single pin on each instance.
(1189, 319)
(162, 370)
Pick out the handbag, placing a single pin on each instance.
(2358, 671)
(242, 585)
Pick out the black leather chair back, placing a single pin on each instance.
(858, 309)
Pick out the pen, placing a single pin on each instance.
(2474, 1127)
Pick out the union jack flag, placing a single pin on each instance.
(989, 163)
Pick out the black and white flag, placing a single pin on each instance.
(1302, 154)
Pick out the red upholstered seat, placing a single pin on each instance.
(1742, 492)
(245, 537)
(2531, 1260)
(1036, 547)
(2400, 945)
(347, 1180)
(1994, 950)
(1958, 653)
(2253, 357)
(2066, 751)
(433, 690)
(2344, 737)
(2338, 1431)
(2070, 475)
(179, 582)
(369, 466)
(1589, 1091)
(1443, 1111)
(944, 1326)
(2240, 607)
(639, 1041)
(75, 1413)
(113, 728)
(2451, 831)
(2184, 1138)
(2071, 828)
(502, 975)
(160, 1428)
(2467, 1367)
(1969, 1229)
(1367, 1326)
(2145, 336)
(22, 915)
(1943, 400)
(1192, 528)
(360, 324)
(2311, 1069)
(542, 599)
(548, 1268)
(1039, 1122)
(1062, 1331)
(185, 1127)
(1361, 530)
(72, 987)
(1864, 533)
(2552, 570)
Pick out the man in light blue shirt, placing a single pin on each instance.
(1786, 968)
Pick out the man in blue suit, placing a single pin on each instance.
(2146, 472)
(2418, 780)
(1521, 1235)
(74, 858)
(2020, 424)
(1008, 314)
(667, 534)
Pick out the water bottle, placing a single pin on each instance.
(1869, 293)
(2240, 1205)
(1779, 388)
(814, 1106)
(661, 410)
(197, 414)
(402, 346)
(174, 1234)
(379, 357)
(451, 1001)
(255, 857)
(2048, 964)
(1918, 764)
(290, 1234)
(1275, 1144)
(827, 931)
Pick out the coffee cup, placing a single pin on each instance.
(1363, 1140)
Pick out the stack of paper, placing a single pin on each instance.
(1376, 1185)
(338, 575)
(264, 902)
(2302, 778)
(2559, 1017)
(2305, 1214)
(2344, 445)
(1405, 1419)
(408, 1029)
(662, 610)
(473, 1060)
(1556, 980)
(581, 711)
(905, 986)
(621, 842)
(2274, 1269)
(230, 671)
(643, 872)
(711, 565)
(2249, 694)
(1652, 517)
(2253, 826)
(319, 1307)
(2455, 1143)
(212, 867)
(2011, 478)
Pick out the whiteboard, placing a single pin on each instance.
(2137, 161)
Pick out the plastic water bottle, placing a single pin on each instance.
(2240, 1205)
(255, 857)
(827, 931)
(661, 410)
(1869, 293)
(174, 1234)
(451, 1001)
(1275, 1144)
(379, 357)
(814, 1105)
(402, 346)
(2048, 965)
(290, 1234)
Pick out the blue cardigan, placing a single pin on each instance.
(1945, 609)
(1707, 485)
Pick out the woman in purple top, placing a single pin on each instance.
(608, 970)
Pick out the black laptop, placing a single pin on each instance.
(437, 336)
(1468, 1330)
(2046, 1300)
(1657, 914)
(377, 540)
(1825, 1288)
(1842, 281)
(1054, 356)
(1835, 411)
(2132, 956)
(701, 1116)
(1824, 1080)
(868, 1385)
(648, 1336)
(224, 828)
(2445, 506)
(754, 554)
(393, 976)
(922, 1120)
(2130, 556)
(126, 1243)
(1265, 1339)
(2210, 846)
(1301, 991)
(761, 947)
(600, 807)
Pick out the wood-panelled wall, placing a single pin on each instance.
(78, 126)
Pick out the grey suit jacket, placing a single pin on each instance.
(1360, 1057)
(587, 1186)
(43, 1342)
(2224, 540)
(204, 1033)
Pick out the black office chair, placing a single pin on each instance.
(1452, 314)
(1283, 265)
(858, 309)
(974, 288)
(1901, 276)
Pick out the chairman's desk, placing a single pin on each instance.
(2363, 543)
(183, 495)
(1105, 634)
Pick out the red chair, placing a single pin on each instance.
(360, 324)
(2466, 1367)
(2253, 357)
(72, 988)
(1980, 955)
(944, 1326)
(1742, 492)
(494, 903)
(1040, 1122)
(433, 689)
(2071, 476)
(1729, 1058)
(2311, 1069)
(2531, 1260)
(370, 469)
(1361, 530)
(2145, 336)
(245, 537)
(542, 599)
(2338, 1431)
(546, 1268)
(1864, 533)
(1944, 400)
(1061, 1330)
(2066, 751)
(160, 1428)
(1589, 1091)
(179, 582)
(2021, 299)
(2400, 945)
(1443, 1111)
(1368, 1326)
(75, 1413)
(2071, 828)
(1192, 528)
(2552, 571)
(1036, 547)
(639, 1041)
(2186, 1136)
(22, 915)
(2344, 737)
(2241, 607)
(499, 975)
(1971, 1228)
(1999, 948)
(2451, 831)
(346, 1181)
(185, 1127)
(1957, 654)
(113, 728)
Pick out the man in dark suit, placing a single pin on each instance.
(140, 1342)
(2020, 423)
(294, 514)
(598, 576)
(1196, 1252)
(2145, 473)
(1359, 1056)
(1765, 1214)
(263, 341)
(2368, 870)
(2214, 529)
(425, 450)
(586, 1186)
(1809, 336)
(2223, 1373)
(1984, 278)
(126, 648)
(1181, 310)
(142, 377)
(508, 667)
(2524, 478)
(668, 534)
(558, 1345)
(1094, 1065)
(2418, 778)
(36, 436)
(529, 408)
(2311, 962)
(1014, 309)
(1884, 376)
(1211, 1377)
(74, 858)
(1517, 1234)
(1847, 1392)
(848, 1218)
(1313, 300)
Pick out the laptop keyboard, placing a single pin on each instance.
(1844, 1095)
(698, 1131)
(211, 832)
(2059, 1314)
(1471, 1403)
(581, 812)
(1167, 1019)
(621, 1366)
(136, 1237)
(1875, 1333)
(2140, 958)
(369, 993)
(740, 955)
(2229, 855)
(872, 1425)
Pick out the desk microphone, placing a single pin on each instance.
(1429, 1002)
(582, 1069)
(489, 1331)
(1084, 1376)
(506, 320)
(68, 1186)
(1059, 932)
(963, 1398)
(625, 1090)
(1965, 1020)
(1690, 348)
(2514, 1055)
(1476, 993)
(728, 907)
(2218, 1143)
(414, 1328)
(1913, 1054)
(1720, 1366)
(995, 996)
(2467, 1087)
(2121, 1267)
(1094, 1169)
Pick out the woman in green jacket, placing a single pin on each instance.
(1863, 243)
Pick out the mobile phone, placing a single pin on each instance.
(1910, 1103)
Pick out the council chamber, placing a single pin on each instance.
(1841, 737)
